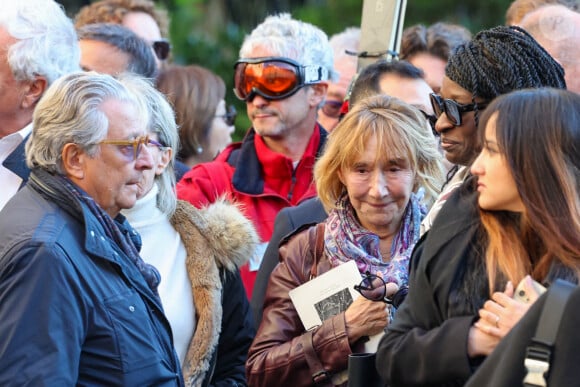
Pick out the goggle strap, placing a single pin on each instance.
(314, 74)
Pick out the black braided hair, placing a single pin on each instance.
(501, 59)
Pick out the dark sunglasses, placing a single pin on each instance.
(273, 78)
(373, 287)
(432, 120)
(230, 116)
(162, 48)
(332, 108)
(453, 109)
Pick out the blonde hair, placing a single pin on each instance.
(401, 132)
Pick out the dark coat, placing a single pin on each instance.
(505, 366)
(447, 287)
(288, 220)
(74, 309)
(426, 344)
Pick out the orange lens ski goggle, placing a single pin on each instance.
(273, 77)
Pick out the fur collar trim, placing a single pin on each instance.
(218, 237)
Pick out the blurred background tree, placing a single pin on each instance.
(210, 32)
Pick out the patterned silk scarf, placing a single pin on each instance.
(345, 239)
(70, 198)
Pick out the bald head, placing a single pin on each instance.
(557, 29)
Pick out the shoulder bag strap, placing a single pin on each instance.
(539, 352)
(319, 249)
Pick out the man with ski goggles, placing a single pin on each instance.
(283, 77)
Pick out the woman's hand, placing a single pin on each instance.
(502, 312)
(498, 316)
(480, 343)
(365, 318)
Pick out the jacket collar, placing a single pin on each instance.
(16, 162)
(459, 213)
(249, 179)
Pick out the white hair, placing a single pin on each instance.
(46, 44)
(293, 39)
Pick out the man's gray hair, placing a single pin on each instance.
(141, 57)
(290, 38)
(70, 112)
(162, 123)
(46, 44)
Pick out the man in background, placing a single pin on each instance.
(557, 29)
(38, 44)
(142, 17)
(282, 75)
(113, 49)
(345, 64)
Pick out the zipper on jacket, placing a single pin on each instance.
(292, 184)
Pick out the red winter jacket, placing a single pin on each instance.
(261, 181)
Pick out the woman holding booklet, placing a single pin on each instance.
(379, 173)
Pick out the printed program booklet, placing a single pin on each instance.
(328, 295)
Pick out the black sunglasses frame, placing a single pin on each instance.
(432, 119)
(368, 290)
(453, 109)
(162, 48)
(230, 116)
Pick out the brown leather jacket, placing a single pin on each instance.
(282, 352)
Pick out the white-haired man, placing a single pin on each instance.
(282, 74)
(38, 44)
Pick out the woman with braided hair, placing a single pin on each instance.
(495, 62)
(448, 282)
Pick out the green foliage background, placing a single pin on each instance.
(210, 32)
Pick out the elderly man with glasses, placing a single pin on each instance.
(282, 75)
(75, 295)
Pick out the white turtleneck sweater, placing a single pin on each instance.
(163, 248)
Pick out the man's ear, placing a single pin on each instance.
(74, 161)
(33, 91)
(318, 93)
(163, 160)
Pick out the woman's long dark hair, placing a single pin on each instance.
(538, 131)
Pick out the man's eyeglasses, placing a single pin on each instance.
(162, 48)
(273, 78)
(332, 108)
(133, 147)
(373, 287)
(452, 109)
(230, 116)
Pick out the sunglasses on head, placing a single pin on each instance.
(332, 108)
(162, 48)
(452, 109)
(230, 116)
(273, 78)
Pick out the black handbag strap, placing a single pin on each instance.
(539, 351)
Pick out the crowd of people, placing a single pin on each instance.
(139, 245)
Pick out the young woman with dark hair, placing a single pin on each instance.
(522, 223)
